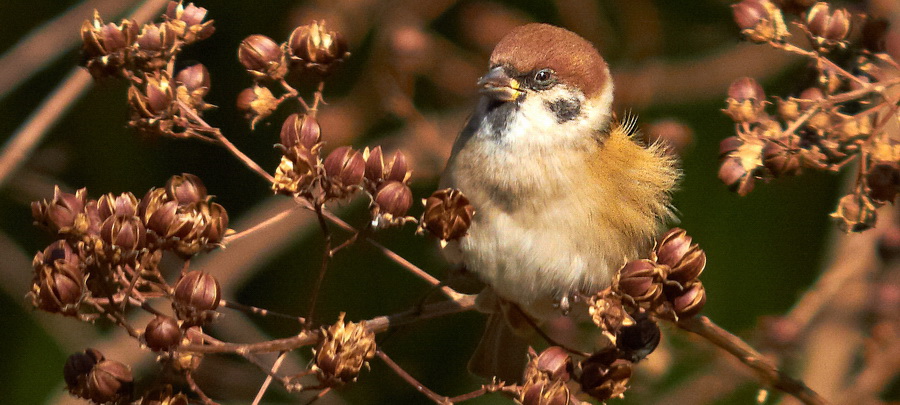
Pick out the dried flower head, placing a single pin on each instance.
(154, 47)
(690, 300)
(608, 314)
(300, 131)
(64, 214)
(741, 162)
(315, 48)
(448, 215)
(256, 103)
(344, 349)
(164, 396)
(186, 189)
(390, 204)
(855, 213)
(193, 84)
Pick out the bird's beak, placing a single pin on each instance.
(499, 86)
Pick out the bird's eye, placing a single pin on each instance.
(543, 76)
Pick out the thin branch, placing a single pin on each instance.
(438, 399)
(766, 371)
(249, 309)
(310, 337)
(326, 258)
(196, 388)
(268, 381)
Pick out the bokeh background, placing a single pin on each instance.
(409, 85)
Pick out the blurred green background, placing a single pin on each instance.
(763, 250)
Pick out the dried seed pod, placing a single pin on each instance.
(109, 381)
(448, 214)
(746, 100)
(195, 294)
(300, 131)
(193, 84)
(262, 57)
(689, 301)
(642, 280)
(344, 171)
(77, 369)
(546, 376)
(110, 205)
(187, 21)
(343, 350)
(393, 200)
(315, 48)
(883, 180)
(125, 233)
(781, 160)
(186, 189)
(154, 46)
(827, 28)
(685, 260)
(855, 213)
(256, 103)
(162, 333)
(760, 20)
(64, 214)
(58, 282)
(105, 46)
(604, 380)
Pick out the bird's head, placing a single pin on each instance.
(546, 80)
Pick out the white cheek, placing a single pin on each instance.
(536, 124)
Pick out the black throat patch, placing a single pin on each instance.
(565, 109)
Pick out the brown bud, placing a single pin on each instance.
(686, 260)
(162, 333)
(637, 340)
(607, 312)
(546, 376)
(374, 165)
(344, 169)
(154, 47)
(855, 213)
(883, 179)
(316, 48)
(187, 21)
(603, 380)
(186, 189)
(397, 169)
(198, 291)
(343, 350)
(256, 103)
(262, 57)
(690, 301)
(393, 199)
(153, 199)
(448, 214)
(304, 131)
(109, 381)
(642, 281)
(760, 20)
(746, 88)
(828, 28)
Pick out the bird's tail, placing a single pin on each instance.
(501, 352)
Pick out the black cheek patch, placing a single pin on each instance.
(565, 109)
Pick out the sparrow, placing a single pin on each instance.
(563, 194)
